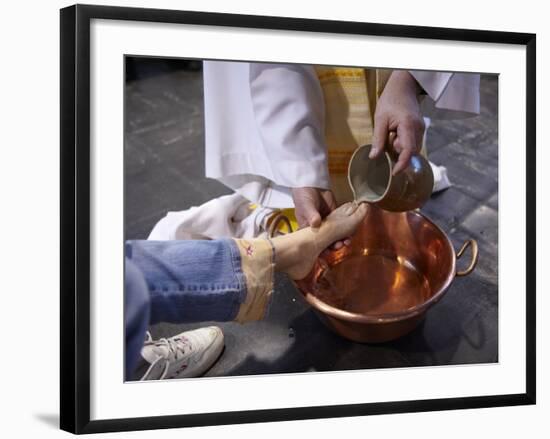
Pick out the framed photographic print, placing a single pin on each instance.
(285, 218)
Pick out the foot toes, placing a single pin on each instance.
(361, 208)
(349, 208)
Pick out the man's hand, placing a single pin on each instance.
(312, 205)
(398, 110)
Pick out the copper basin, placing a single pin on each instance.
(399, 264)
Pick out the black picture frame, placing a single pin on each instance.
(75, 217)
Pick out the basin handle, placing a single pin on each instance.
(273, 228)
(475, 254)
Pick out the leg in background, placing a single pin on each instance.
(136, 315)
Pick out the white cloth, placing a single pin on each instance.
(441, 179)
(455, 95)
(229, 216)
(265, 124)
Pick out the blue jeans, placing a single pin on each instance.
(187, 281)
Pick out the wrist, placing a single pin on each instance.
(403, 80)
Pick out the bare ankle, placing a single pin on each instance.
(295, 253)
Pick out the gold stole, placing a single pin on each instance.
(350, 96)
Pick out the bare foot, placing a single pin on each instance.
(296, 252)
(341, 223)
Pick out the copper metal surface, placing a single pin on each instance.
(380, 287)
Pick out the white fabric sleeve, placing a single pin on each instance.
(454, 95)
(288, 107)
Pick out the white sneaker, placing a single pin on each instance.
(186, 355)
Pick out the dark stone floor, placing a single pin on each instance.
(164, 170)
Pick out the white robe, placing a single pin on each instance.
(264, 124)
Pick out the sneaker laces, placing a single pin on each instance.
(151, 368)
(177, 346)
(172, 348)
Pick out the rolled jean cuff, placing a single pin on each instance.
(257, 264)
